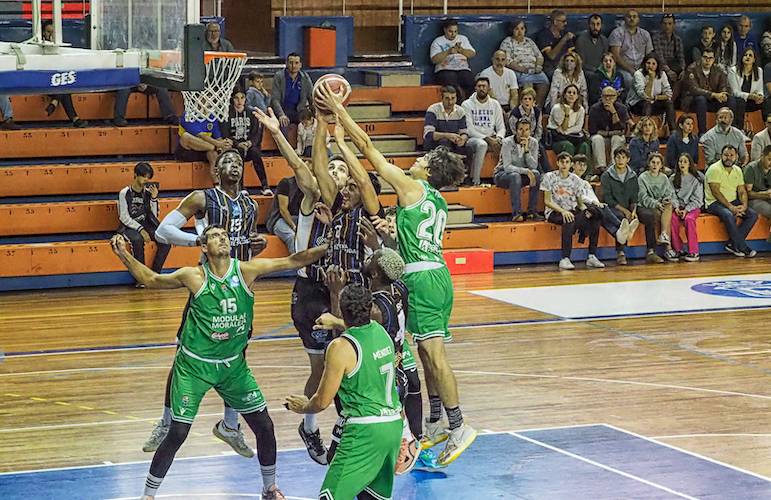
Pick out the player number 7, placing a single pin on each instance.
(388, 370)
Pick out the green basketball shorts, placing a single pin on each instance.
(430, 304)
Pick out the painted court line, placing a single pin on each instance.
(602, 466)
(225, 495)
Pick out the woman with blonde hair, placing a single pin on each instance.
(569, 71)
(644, 142)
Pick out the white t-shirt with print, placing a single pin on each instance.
(564, 191)
(500, 85)
(453, 62)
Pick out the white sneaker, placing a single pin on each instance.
(156, 437)
(566, 265)
(460, 439)
(233, 437)
(633, 228)
(622, 235)
(664, 239)
(593, 261)
(434, 434)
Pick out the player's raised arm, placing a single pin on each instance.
(320, 162)
(170, 229)
(357, 172)
(339, 357)
(395, 176)
(181, 278)
(254, 268)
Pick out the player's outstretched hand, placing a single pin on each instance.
(335, 278)
(269, 121)
(368, 234)
(120, 245)
(331, 101)
(296, 403)
(257, 243)
(323, 213)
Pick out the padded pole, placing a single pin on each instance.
(399, 44)
(96, 30)
(57, 14)
(37, 24)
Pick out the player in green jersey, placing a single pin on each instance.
(211, 353)
(420, 219)
(360, 367)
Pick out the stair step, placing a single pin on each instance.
(397, 143)
(459, 214)
(369, 110)
(472, 225)
(393, 78)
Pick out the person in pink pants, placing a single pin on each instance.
(689, 187)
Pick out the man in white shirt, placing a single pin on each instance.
(450, 54)
(503, 82)
(486, 127)
(761, 140)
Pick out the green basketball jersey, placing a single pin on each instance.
(370, 389)
(220, 316)
(420, 227)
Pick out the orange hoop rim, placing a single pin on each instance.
(209, 56)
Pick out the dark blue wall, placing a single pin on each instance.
(74, 31)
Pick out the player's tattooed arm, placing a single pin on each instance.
(340, 359)
(186, 277)
(256, 267)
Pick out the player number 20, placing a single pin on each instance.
(431, 229)
(388, 370)
(228, 306)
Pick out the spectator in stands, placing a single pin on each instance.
(245, 132)
(668, 46)
(64, 99)
(645, 141)
(606, 75)
(657, 201)
(450, 54)
(214, 42)
(608, 123)
(761, 140)
(705, 88)
(6, 114)
(651, 93)
(620, 191)
(256, 95)
(566, 123)
(138, 215)
(727, 53)
(527, 109)
(688, 184)
(746, 83)
(164, 102)
(306, 131)
(726, 197)
(570, 71)
(743, 38)
(518, 167)
(282, 219)
(504, 87)
(765, 42)
(767, 83)
(757, 181)
(682, 140)
(523, 56)
(562, 192)
(591, 45)
(201, 141)
(629, 44)
(486, 126)
(706, 41)
(292, 91)
(722, 134)
(555, 41)
(445, 123)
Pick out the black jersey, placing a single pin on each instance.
(236, 215)
(311, 233)
(393, 308)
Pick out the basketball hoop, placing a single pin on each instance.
(223, 69)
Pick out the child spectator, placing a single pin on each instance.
(682, 140)
(305, 132)
(644, 142)
(620, 191)
(256, 95)
(245, 131)
(657, 200)
(689, 190)
(566, 123)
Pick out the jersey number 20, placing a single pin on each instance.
(431, 229)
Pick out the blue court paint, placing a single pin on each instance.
(501, 466)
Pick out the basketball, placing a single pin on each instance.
(337, 84)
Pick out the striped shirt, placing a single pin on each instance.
(236, 215)
(438, 120)
(346, 249)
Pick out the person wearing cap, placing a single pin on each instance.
(608, 120)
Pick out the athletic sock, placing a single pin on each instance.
(152, 484)
(455, 417)
(231, 418)
(166, 418)
(268, 476)
(435, 403)
(309, 423)
(406, 433)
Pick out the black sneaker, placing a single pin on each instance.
(730, 248)
(314, 445)
(748, 252)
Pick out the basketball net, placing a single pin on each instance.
(223, 69)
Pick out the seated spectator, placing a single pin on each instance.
(707, 41)
(682, 140)
(201, 141)
(765, 42)
(527, 109)
(688, 184)
(591, 45)
(629, 44)
(761, 140)
(523, 56)
(138, 215)
(720, 135)
(518, 167)
(562, 192)
(651, 93)
(757, 182)
(282, 219)
(620, 190)
(214, 42)
(726, 54)
(726, 197)
(566, 124)
(705, 88)
(245, 132)
(503, 82)
(743, 38)
(606, 76)
(256, 95)
(445, 124)
(292, 91)
(656, 201)
(64, 99)
(164, 102)
(645, 141)
(746, 84)
(668, 46)
(306, 131)
(608, 123)
(450, 54)
(767, 82)
(485, 124)
(555, 41)
(570, 71)
(6, 114)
